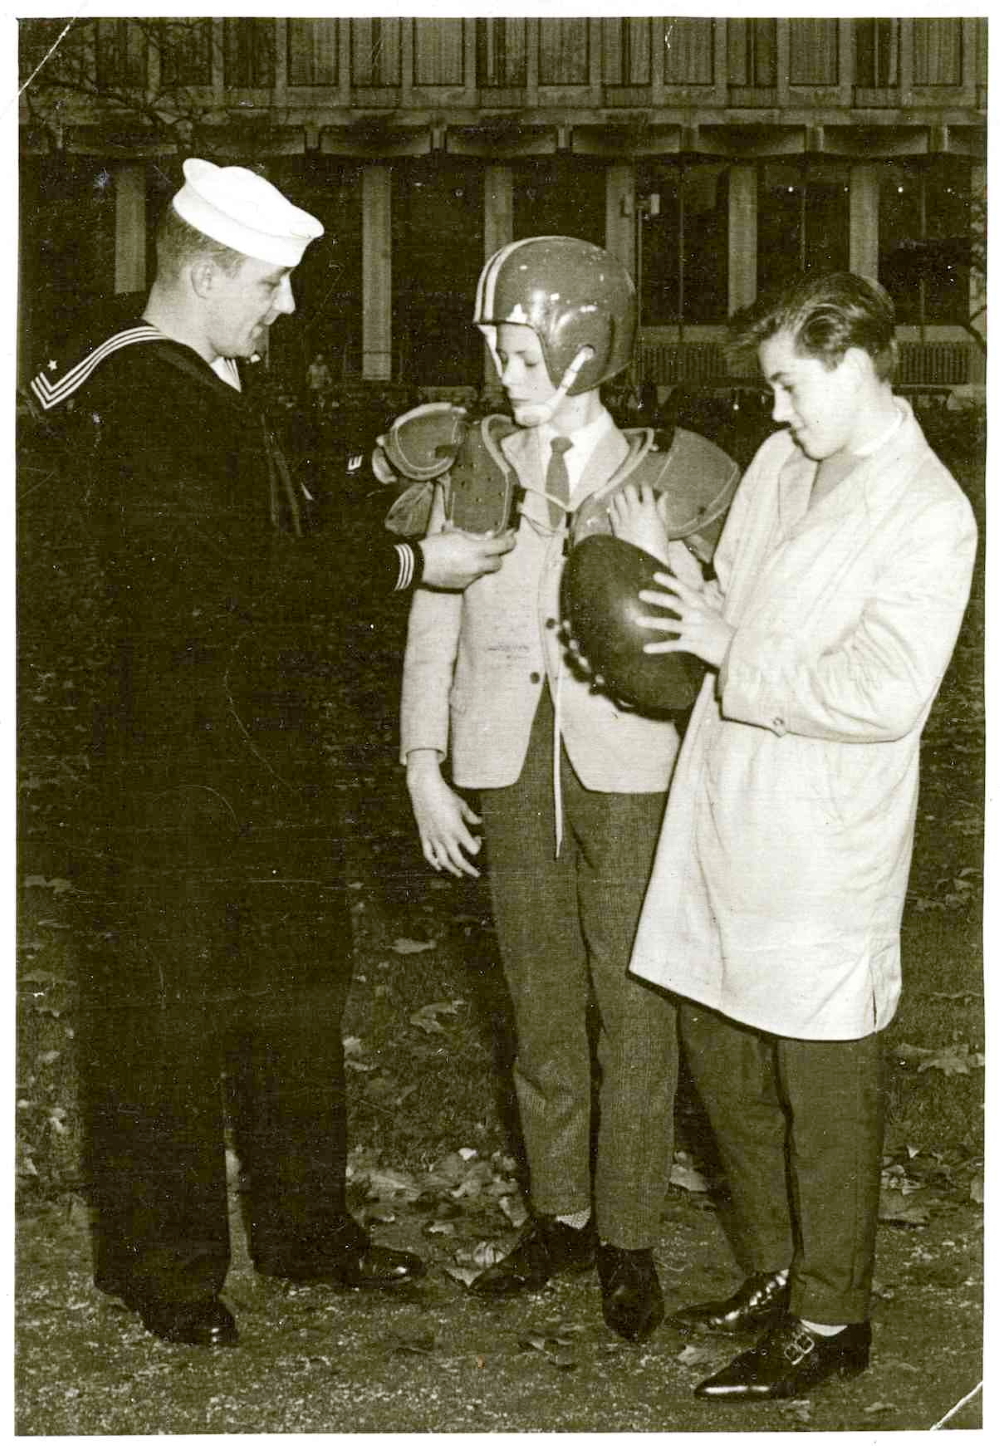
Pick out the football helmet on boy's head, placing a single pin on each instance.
(572, 295)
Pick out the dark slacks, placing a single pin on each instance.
(799, 1125)
(216, 989)
(565, 926)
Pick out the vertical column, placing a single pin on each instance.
(977, 282)
(498, 208)
(130, 227)
(619, 222)
(376, 273)
(864, 220)
(742, 236)
(498, 230)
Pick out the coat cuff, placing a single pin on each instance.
(745, 691)
(410, 566)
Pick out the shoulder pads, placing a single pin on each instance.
(697, 478)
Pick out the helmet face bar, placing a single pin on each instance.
(572, 295)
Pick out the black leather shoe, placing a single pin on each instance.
(630, 1291)
(547, 1248)
(789, 1361)
(208, 1323)
(761, 1301)
(364, 1267)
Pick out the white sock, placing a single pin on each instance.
(823, 1330)
(577, 1220)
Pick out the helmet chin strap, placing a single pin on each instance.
(536, 414)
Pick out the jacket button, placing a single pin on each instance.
(536, 677)
(778, 723)
(551, 622)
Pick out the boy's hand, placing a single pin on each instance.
(442, 816)
(637, 516)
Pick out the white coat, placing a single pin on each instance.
(777, 892)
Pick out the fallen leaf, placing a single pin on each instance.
(439, 1227)
(39, 881)
(386, 1184)
(696, 1355)
(554, 1350)
(801, 1410)
(487, 1253)
(895, 1208)
(687, 1177)
(462, 1274)
(422, 1345)
(412, 946)
(878, 1406)
(514, 1208)
(427, 1023)
(976, 1189)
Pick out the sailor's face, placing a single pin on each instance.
(247, 301)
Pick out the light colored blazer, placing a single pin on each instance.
(476, 661)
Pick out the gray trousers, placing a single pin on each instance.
(565, 927)
(799, 1124)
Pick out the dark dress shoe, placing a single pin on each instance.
(630, 1291)
(547, 1248)
(376, 1267)
(364, 1266)
(789, 1361)
(761, 1301)
(207, 1323)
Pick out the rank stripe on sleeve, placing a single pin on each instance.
(51, 396)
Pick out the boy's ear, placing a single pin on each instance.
(860, 361)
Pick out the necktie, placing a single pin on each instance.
(557, 478)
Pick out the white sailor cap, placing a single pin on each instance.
(241, 210)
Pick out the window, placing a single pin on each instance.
(685, 248)
(876, 54)
(312, 52)
(121, 55)
(803, 219)
(376, 51)
(185, 52)
(501, 52)
(813, 46)
(924, 239)
(626, 51)
(438, 52)
(937, 52)
(753, 53)
(249, 53)
(564, 52)
(689, 50)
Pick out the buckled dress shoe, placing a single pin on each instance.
(205, 1323)
(630, 1291)
(547, 1248)
(761, 1301)
(364, 1266)
(789, 1361)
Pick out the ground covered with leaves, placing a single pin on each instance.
(435, 1164)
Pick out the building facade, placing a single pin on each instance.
(712, 155)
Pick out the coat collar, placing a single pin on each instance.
(872, 475)
(523, 447)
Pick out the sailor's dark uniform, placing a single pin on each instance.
(212, 872)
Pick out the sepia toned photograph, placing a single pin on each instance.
(500, 723)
